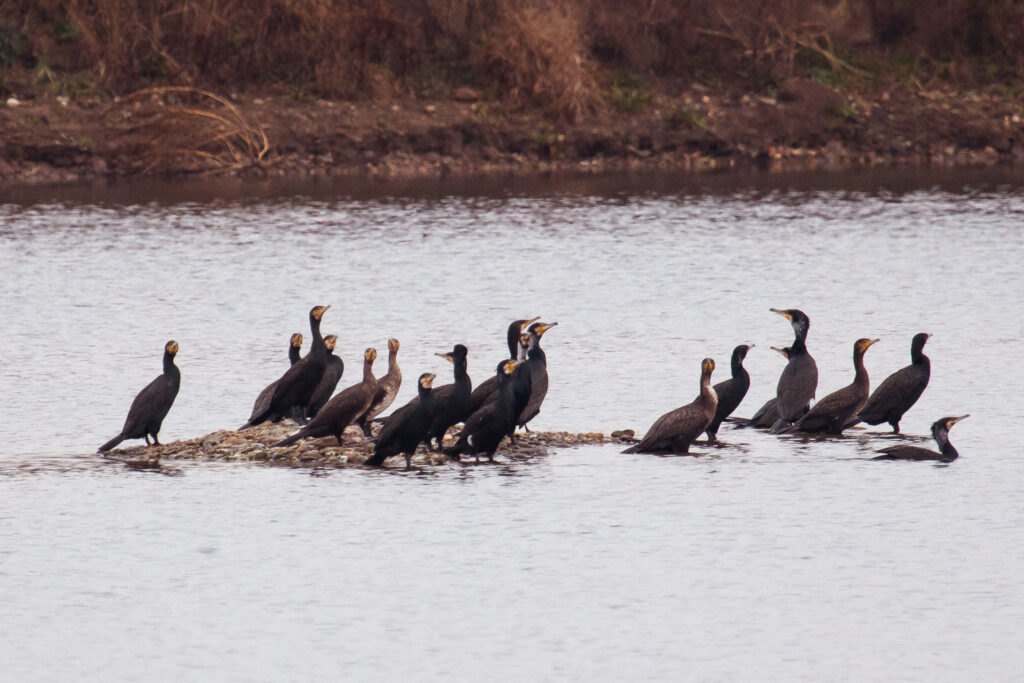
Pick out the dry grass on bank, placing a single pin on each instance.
(565, 57)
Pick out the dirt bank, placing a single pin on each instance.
(803, 124)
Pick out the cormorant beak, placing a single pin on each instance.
(785, 314)
(511, 365)
(929, 335)
(527, 323)
(428, 381)
(950, 423)
(544, 327)
(778, 350)
(871, 342)
(447, 356)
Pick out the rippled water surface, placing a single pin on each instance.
(765, 559)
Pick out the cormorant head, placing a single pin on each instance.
(920, 339)
(540, 328)
(862, 345)
(796, 318)
(370, 355)
(740, 351)
(945, 424)
(297, 340)
(171, 347)
(707, 366)
(784, 351)
(393, 345)
(317, 312)
(458, 351)
(427, 380)
(329, 341)
(523, 324)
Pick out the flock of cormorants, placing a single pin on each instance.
(514, 395)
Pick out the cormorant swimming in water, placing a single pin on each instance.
(674, 431)
(267, 395)
(900, 390)
(484, 429)
(405, 428)
(832, 413)
(152, 404)
(940, 432)
(451, 400)
(296, 386)
(799, 379)
(485, 390)
(732, 391)
(537, 363)
(328, 381)
(387, 389)
(341, 410)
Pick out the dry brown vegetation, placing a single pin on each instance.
(565, 57)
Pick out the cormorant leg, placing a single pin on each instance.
(895, 427)
(156, 441)
(146, 437)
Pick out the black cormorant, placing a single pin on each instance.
(537, 363)
(900, 390)
(341, 410)
(387, 389)
(152, 404)
(296, 386)
(485, 390)
(940, 432)
(832, 413)
(267, 395)
(768, 414)
(674, 431)
(405, 428)
(451, 400)
(328, 381)
(799, 380)
(732, 391)
(485, 428)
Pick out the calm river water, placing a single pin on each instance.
(765, 559)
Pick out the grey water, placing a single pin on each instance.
(767, 558)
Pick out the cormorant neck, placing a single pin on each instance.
(368, 371)
(169, 367)
(799, 346)
(460, 370)
(945, 447)
(392, 360)
(318, 346)
(425, 393)
(707, 392)
(861, 374)
(917, 356)
(738, 371)
(513, 340)
(537, 354)
(293, 354)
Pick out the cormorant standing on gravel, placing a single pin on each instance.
(341, 410)
(451, 400)
(485, 428)
(152, 404)
(387, 390)
(405, 428)
(328, 381)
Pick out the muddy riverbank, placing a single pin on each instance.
(803, 125)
